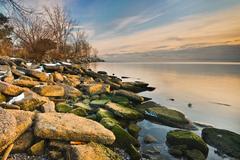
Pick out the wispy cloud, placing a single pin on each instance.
(198, 30)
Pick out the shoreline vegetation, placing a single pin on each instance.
(62, 110)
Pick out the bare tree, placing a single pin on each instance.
(60, 25)
(16, 7)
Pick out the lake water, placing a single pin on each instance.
(213, 89)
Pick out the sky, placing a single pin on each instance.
(132, 26)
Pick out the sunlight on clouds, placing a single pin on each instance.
(221, 27)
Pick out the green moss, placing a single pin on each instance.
(99, 102)
(133, 129)
(102, 113)
(194, 155)
(190, 139)
(134, 153)
(63, 107)
(119, 99)
(109, 123)
(79, 111)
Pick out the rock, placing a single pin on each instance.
(102, 113)
(63, 107)
(92, 151)
(52, 67)
(134, 129)
(28, 101)
(23, 142)
(69, 127)
(39, 75)
(99, 102)
(71, 91)
(149, 139)
(225, 141)
(98, 88)
(74, 80)
(2, 98)
(123, 112)
(79, 111)
(48, 106)
(38, 148)
(84, 106)
(135, 87)
(109, 123)
(9, 89)
(50, 90)
(194, 155)
(190, 139)
(177, 150)
(7, 129)
(26, 83)
(102, 72)
(57, 77)
(130, 95)
(134, 153)
(164, 115)
(119, 99)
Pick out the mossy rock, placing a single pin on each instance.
(109, 123)
(124, 112)
(103, 113)
(83, 106)
(225, 141)
(38, 148)
(86, 101)
(63, 107)
(133, 152)
(99, 102)
(79, 111)
(119, 99)
(194, 155)
(168, 117)
(190, 139)
(2, 98)
(92, 117)
(133, 129)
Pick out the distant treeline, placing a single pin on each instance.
(49, 34)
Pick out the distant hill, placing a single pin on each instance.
(224, 53)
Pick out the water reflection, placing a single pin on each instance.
(203, 85)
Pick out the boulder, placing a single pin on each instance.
(57, 77)
(71, 91)
(63, 107)
(48, 106)
(79, 112)
(225, 141)
(195, 155)
(190, 139)
(130, 95)
(123, 112)
(98, 88)
(69, 127)
(99, 102)
(23, 142)
(92, 151)
(53, 67)
(39, 75)
(102, 113)
(84, 106)
(73, 80)
(26, 83)
(7, 129)
(49, 90)
(9, 89)
(119, 99)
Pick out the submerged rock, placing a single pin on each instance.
(123, 112)
(69, 127)
(190, 139)
(92, 151)
(225, 141)
(149, 139)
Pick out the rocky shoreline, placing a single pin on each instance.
(63, 111)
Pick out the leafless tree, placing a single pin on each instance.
(59, 24)
(16, 7)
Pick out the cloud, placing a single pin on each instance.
(204, 30)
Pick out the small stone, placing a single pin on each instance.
(38, 148)
(149, 139)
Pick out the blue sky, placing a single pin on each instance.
(126, 26)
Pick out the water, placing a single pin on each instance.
(213, 89)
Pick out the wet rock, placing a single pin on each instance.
(225, 141)
(130, 95)
(23, 142)
(135, 87)
(50, 90)
(56, 126)
(99, 102)
(92, 151)
(149, 139)
(37, 148)
(123, 112)
(177, 150)
(7, 129)
(190, 139)
(9, 89)
(26, 83)
(119, 99)
(195, 155)
(170, 117)
(109, 122)
(133, 129)
(63, 107)
(98, 88)
(102, 113)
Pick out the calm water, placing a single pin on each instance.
(213, 89)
